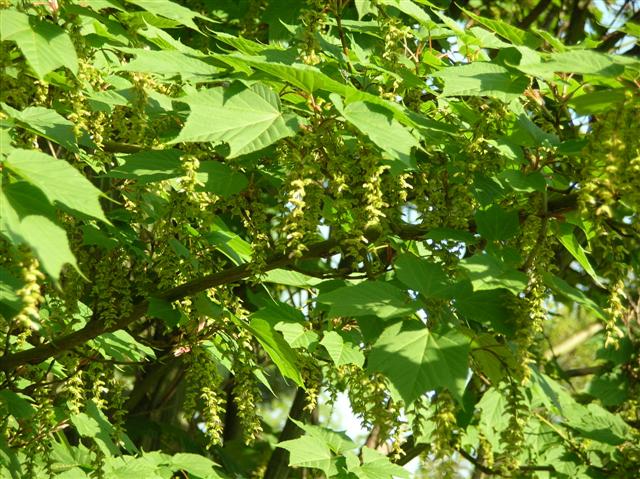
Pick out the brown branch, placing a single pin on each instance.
(278, 466)
(609, 41)
(95, 327)
(534, 14)
(586, 371)
(573, 342)
(410, 450)
(487, 470)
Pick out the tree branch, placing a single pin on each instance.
(534, 14)
(487, 470)
(95, 327)
(573, 342)
(278, 466)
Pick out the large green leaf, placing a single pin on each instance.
(423, 276)
(591, 421)
(496, 223)
(564, 232)
(26, 217)
(488, 307)
(171, 10)
(297, 335)
(373, 298)
(380, 127)
(487, 272)
(156, 165)
(303, 76)
(170, 62)
(376, 465)
(416, 360)
(58, 180)
(247, 119)
(47, 123)
(261, 326)
(575, 61)
(560, 286)
(121, 346)
(337, 441)
(195, 464)
(45, 45)
(340, 351)
(309, 451)
(482, 79)
(291, 278)
(515, 35)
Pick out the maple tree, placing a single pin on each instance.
(218, 217)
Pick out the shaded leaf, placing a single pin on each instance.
(423, 276)
(374, 298)
(496, 223)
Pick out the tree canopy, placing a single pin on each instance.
(218, 218)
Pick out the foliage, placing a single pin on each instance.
(215, 214)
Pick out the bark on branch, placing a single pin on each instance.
(95, 327)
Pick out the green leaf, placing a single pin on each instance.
(231, 244)
(507, 31)
(45, 45)
(58, 180)
(416, 360)
(381, 128)
(562, 287)
(171, 10)
(309, 451)
(303, 76)
(219, 179)
(340, 351)
(598, 101)
(487, 272)
(22, 222)
(291, 278)
(591, 421)
(10, 303)
(496, 223)
(564, 233)
(482, 79)
(195, 464)
(423, 276)
(161, 309)
(489, 307)
(94, 424)
(274, 344)
(247, 119)
(297, 335)
(121, 346)
(584, 62)
(377, 466)
(189, 66)
(373, 298)
(47, 123)
(337, 441)
(522, 182)
(149, 166)
(18, 405)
